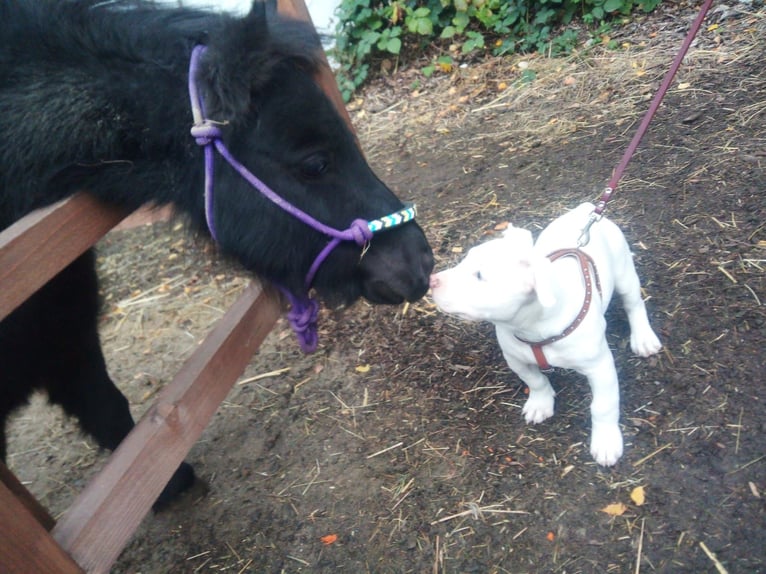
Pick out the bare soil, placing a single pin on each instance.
(403, 436)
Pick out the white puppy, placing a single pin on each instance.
(547, 301)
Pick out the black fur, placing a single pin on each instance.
(93, 95)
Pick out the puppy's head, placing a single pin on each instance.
(495, 280)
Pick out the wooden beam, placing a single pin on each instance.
(25, 545)
(25, 498)
(105, 515)
(38, 246)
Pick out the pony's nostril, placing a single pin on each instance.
(434, 282)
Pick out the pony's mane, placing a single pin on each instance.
(107, 81)
(62, 31)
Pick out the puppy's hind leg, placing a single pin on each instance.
(643, 340)
(539, 405)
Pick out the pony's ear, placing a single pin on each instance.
(262, 10)
(245, 52)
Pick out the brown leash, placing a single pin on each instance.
(620, 169)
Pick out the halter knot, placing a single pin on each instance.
(360, 230)
(302, 317)
(206, 132)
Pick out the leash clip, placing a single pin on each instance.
(584, 238)
(596, 215)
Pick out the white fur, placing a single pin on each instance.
(511, 283)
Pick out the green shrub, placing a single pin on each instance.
(370, 30)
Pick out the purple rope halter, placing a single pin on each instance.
(303, 309)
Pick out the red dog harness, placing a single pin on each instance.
(586, 263)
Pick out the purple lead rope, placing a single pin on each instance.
(303, 309)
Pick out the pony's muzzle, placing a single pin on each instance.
(398, 272)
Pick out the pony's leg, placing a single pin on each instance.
(77, 377)
(643, 339)
(85, 391)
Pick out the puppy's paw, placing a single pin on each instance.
(644, 342)
(539, 406)
(606, 444)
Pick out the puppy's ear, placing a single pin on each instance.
(542, 277)
(520, 237)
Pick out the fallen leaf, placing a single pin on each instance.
(684, 86)
(638, 496)
(362, 369)
(615, 509)
(501, 226)
(712, 27)
(551, 536)
(569, 81)
(457, 250)
(329, 539)
(501, 86)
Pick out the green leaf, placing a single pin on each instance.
(425, 27)
(528, 76)
(448, 32)
(428, 71)
(394, 45)
(613, 5)
(461, 21)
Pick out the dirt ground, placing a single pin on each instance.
(403, 436)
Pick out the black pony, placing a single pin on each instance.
(93, 96)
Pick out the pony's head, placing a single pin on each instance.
(258, 81)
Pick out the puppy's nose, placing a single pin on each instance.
(434, 281)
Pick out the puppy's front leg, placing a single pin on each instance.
(606, 437)
(539, 405)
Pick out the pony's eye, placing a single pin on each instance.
(314, 165)
(478, 276)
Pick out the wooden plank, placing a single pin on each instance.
(35, 248)
(103, 518)
(25, 545)
(25, 498)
